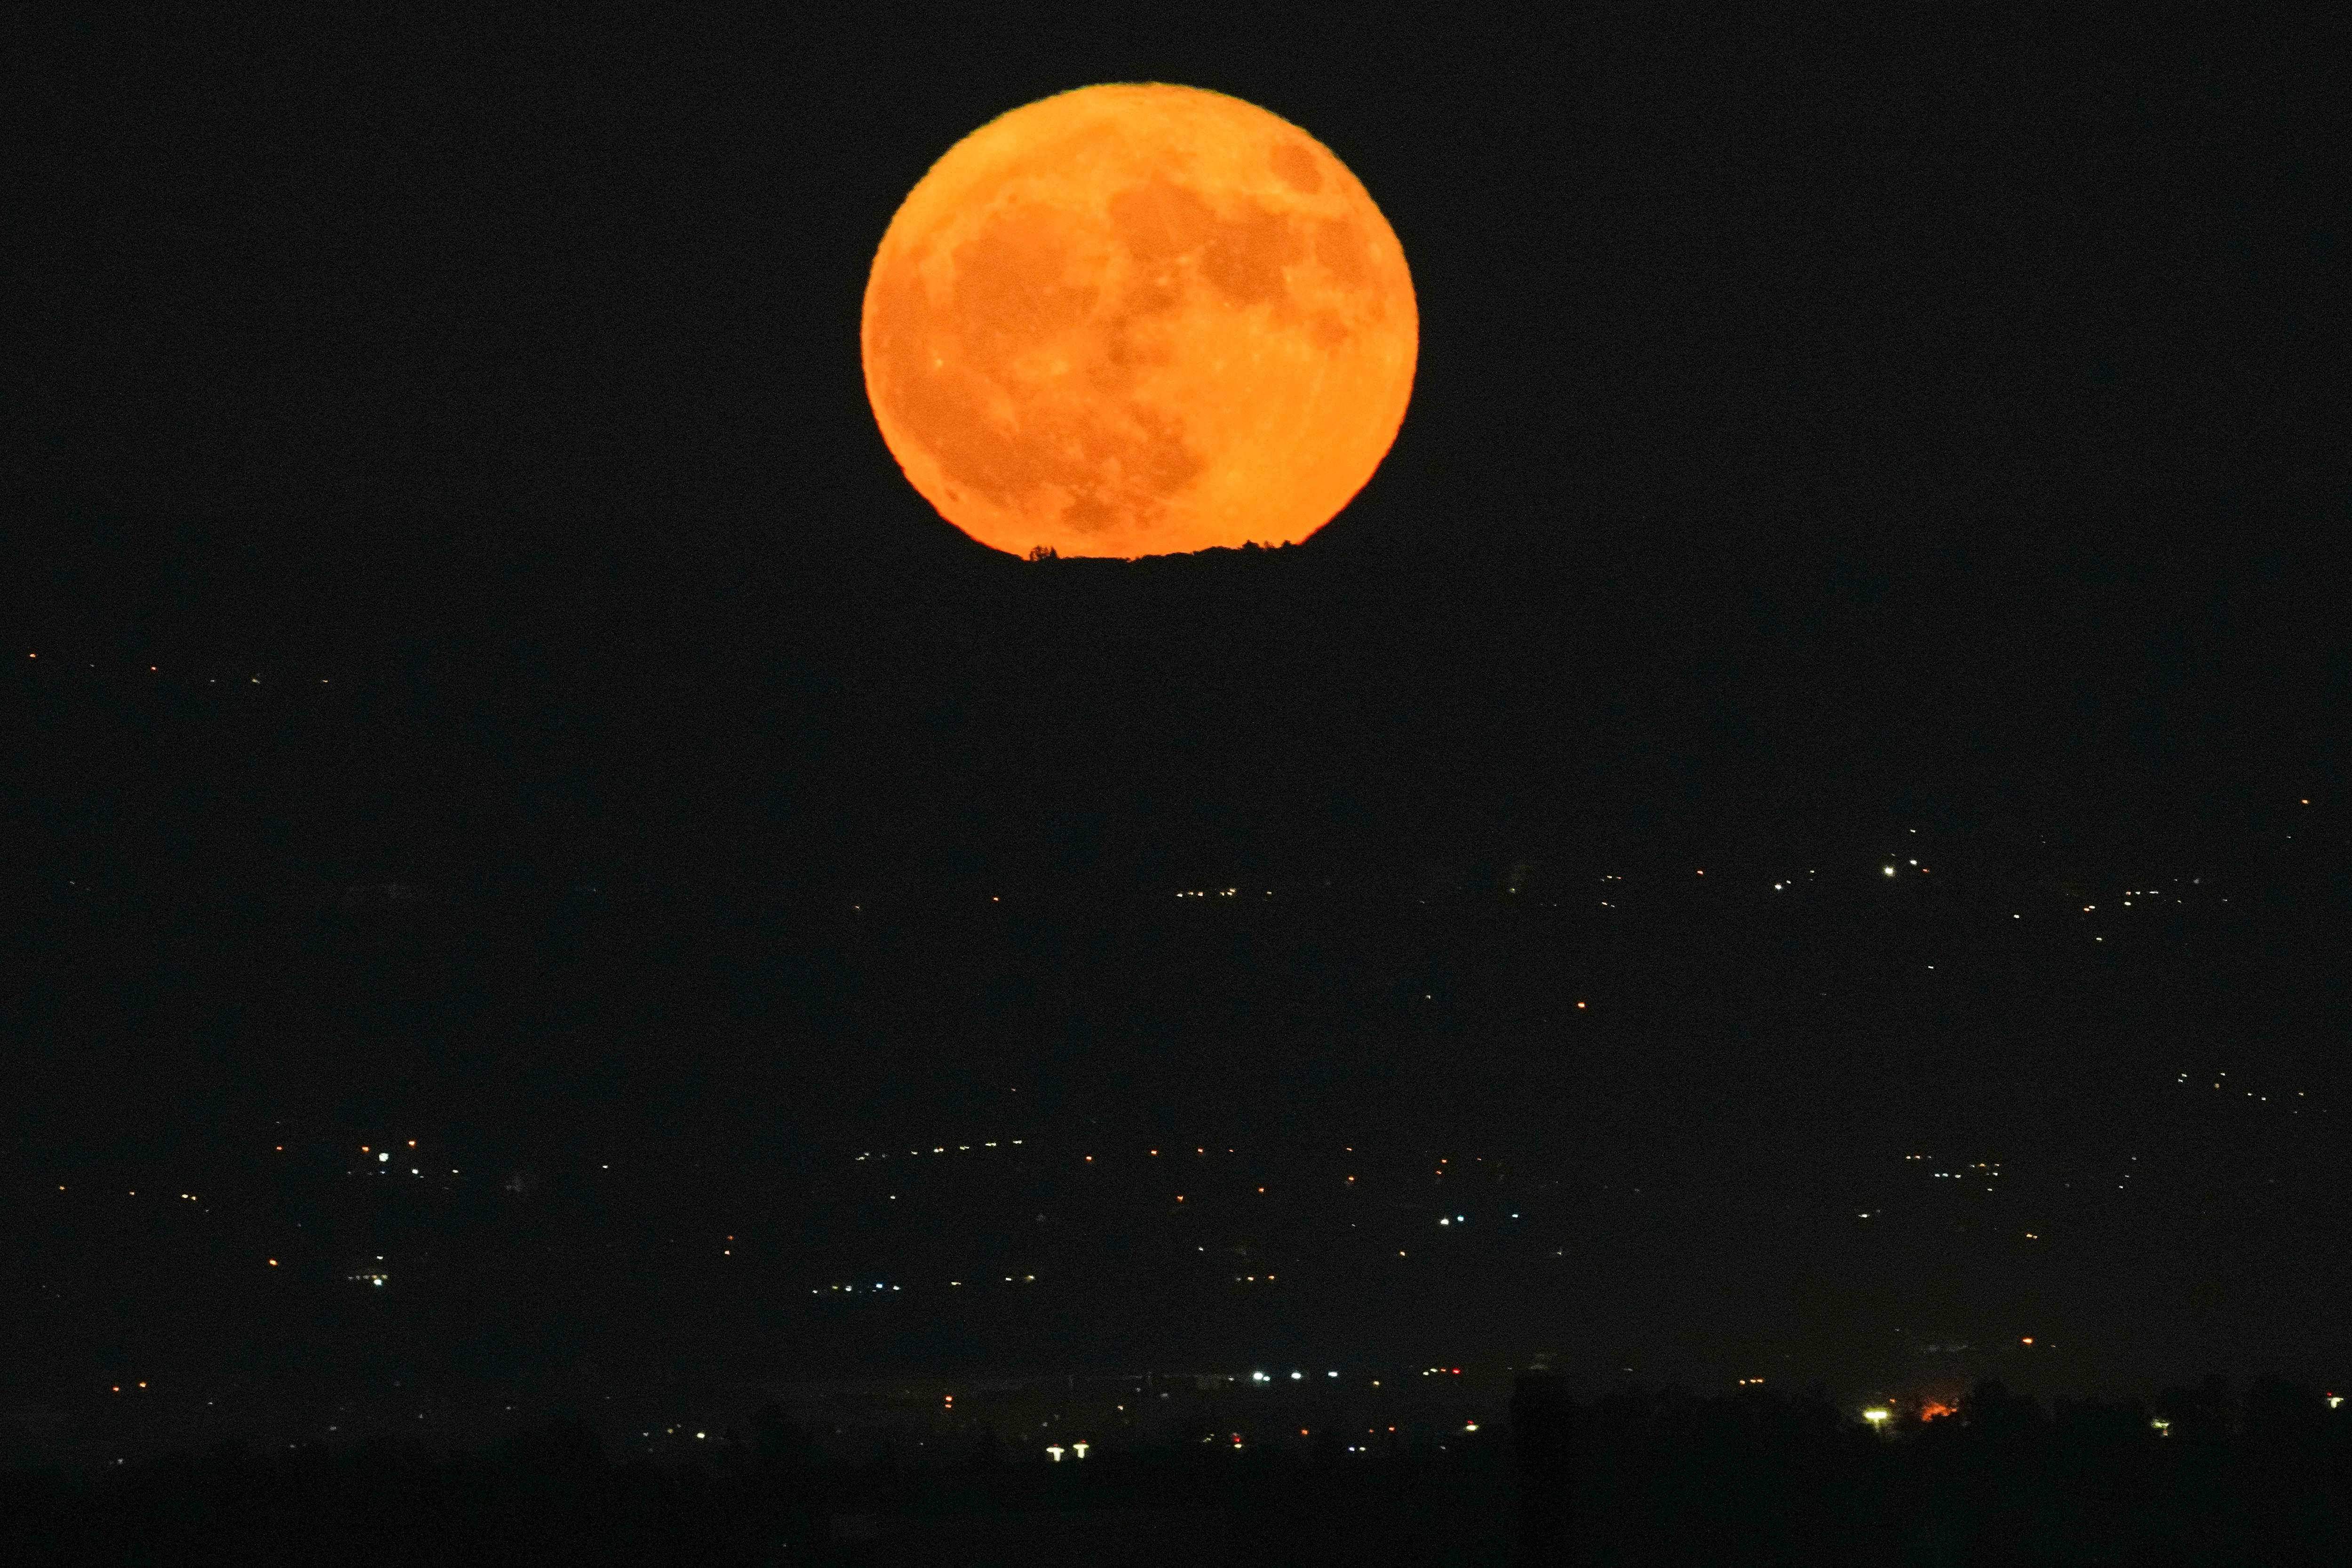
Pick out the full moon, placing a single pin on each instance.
(1138, 319)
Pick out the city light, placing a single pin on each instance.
(1876, 1415)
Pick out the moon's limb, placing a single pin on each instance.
(1133, 319)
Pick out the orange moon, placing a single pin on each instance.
(1138, 319)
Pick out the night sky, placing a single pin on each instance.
(1802, 812)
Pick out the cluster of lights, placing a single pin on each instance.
(943, 1149)
(2258, 1099)
(384, 1157)
(378, 1277)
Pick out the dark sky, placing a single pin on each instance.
(1892, 383)
(1821, 434)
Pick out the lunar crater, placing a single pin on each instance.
(1295, 166)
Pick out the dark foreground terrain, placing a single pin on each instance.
(2200, 1476)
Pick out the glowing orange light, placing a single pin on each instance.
(1139, 317)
